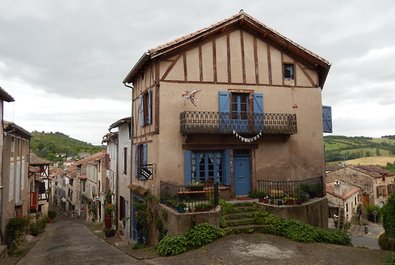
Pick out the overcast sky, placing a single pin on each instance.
(64, 61)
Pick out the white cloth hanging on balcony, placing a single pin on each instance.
(248, 140)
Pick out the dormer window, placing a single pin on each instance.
(289, 71)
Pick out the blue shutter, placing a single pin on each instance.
(141, 111)
(223, 101)
(223, 109)
(145, 154)
(327, 119)
(187, 167)
(136, 159)
(226, 169)
(149, 114)
(258, 111)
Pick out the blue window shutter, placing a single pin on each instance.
(258, 111)
(149, 115)
(226, 169)
(145, 154)
(187, 167)
(136, 159)
(223, 101)
(258, 103)
(224, 111)
(141, 111)
(327, 119)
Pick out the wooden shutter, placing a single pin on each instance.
(224, 110)
(226, 168)
(136, 160)
(327, 119)
(187, 167)
(258, 111)
(149, 109)
(141, 111)
(145, 154)
(223, 101)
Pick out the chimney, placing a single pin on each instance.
(337, 188)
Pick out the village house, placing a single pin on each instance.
(235, 104)
(4, 97)
(92, 174)
(15, 200)
(119, 149)
(345, 197)
(39, 183)
(377, 184)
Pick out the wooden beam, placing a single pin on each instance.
(228, 58)
(243, 64)
(200, 63)
(184, 57)
(170, 67)
(269, 66)
(256, 61)
(214, 61)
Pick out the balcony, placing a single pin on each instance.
(206, 122)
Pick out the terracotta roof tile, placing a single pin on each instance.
(347, 190)
(35, 160)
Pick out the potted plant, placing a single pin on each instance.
(109, 232)
(196, 186)
(181, 206)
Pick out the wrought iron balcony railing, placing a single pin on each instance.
(206, 122)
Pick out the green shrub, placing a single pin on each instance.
(203, 234)
(332, 237)
(172, 245)
(51, 214)
(390, 260)
(386, 242)
(389, 216)
(369, 212)
(34, 229)
(15, 229)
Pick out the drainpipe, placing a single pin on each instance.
(130, 210)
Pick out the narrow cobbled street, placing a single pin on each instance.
(67, 241)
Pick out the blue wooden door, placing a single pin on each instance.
(242, 175)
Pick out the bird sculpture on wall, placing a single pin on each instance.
(186, 95)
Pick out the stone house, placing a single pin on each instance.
(4, 97)
(344, 196)
(119, 148)
(39, 183)
(15, 164)
(235, 103)
(376, 183)
(92, 175)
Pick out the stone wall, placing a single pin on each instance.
(314, 212)
(166, 219)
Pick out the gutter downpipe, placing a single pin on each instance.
(131, 204)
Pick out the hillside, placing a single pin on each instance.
(340, 148)
(58, 146)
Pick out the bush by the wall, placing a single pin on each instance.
(369, 212)
(197, 236)
(203, 234)
(15, 229)
(299, 231)
(172, 245)
(51, 214)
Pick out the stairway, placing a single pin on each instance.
(239, 218)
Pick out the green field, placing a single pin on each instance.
(341, 148)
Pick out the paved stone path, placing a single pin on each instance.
(70, 242)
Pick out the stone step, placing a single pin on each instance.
(238, 222)
(247, 229)
(240, 215)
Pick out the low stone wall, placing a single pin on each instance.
(168, 220)
(314, 212)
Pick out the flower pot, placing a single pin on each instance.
(109, 232)
(108, 221)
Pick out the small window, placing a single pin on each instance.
(125, 160)
(145, 108)
(288, 71)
